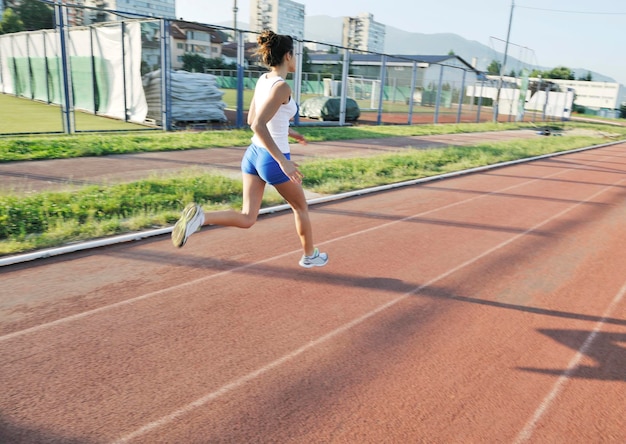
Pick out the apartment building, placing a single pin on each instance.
(192, 38)
(281, 16)
(363, 33)
(154, 8)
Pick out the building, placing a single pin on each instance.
(134, 8)
(364, 80)
(363, 33)
(192, 38)
(594, 96)
(75, 16)
(281, 16)
(229, 53)
(399, 66)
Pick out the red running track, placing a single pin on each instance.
(484, 308)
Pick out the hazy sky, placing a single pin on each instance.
(572, 33)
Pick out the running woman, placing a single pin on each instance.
(267, 159)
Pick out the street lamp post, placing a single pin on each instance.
(235, 9)
(506, 51)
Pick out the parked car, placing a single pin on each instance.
(328, 108)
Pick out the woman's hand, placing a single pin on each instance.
(291, 170)
(297, 136)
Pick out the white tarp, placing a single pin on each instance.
(105, 65)
(195, 97)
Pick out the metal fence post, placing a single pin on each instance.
(67, 106)
(344, 86)
(14, 66)
(46, 67)
(240, 63)
(480, 100)
(297, 80)
(458, 114)
(545, 104)
(166, 87)
(383, 79)
(413, 85)
(123, 28)
(438, 98)
(31, 80)
(94, 85)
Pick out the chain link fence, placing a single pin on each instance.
(127, 74)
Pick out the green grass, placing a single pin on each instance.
(47, 219)
(340, 175)
(81, 145)
(24, 116)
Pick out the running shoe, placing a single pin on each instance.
(317, 259)
(190, 221)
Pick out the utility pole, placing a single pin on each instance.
(496, 105)
(235, 9)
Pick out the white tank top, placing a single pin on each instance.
(278, 126)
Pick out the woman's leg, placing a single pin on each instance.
(193, 217)
(294, 195)
(253, 187)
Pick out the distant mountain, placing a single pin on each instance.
(326, 29)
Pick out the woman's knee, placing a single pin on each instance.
(300, 207)
(248, 220)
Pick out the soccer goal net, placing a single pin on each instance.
(365, 91)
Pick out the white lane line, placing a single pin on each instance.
(102, 309)
(285, 358)
(135, 299)
(200, 280)
(526, 433)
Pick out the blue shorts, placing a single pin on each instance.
(259, 161)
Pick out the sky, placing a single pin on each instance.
(548, 33)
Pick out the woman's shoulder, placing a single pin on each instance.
(272, 79)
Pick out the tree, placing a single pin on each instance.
(451, 52)
(560, 72)
(494, 67)
(306, 60)
(193, 62)
(587, 78)
(35, 15)
(10, 22)
(197, 63)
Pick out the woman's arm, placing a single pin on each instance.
(297, 136)
(251, 112)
